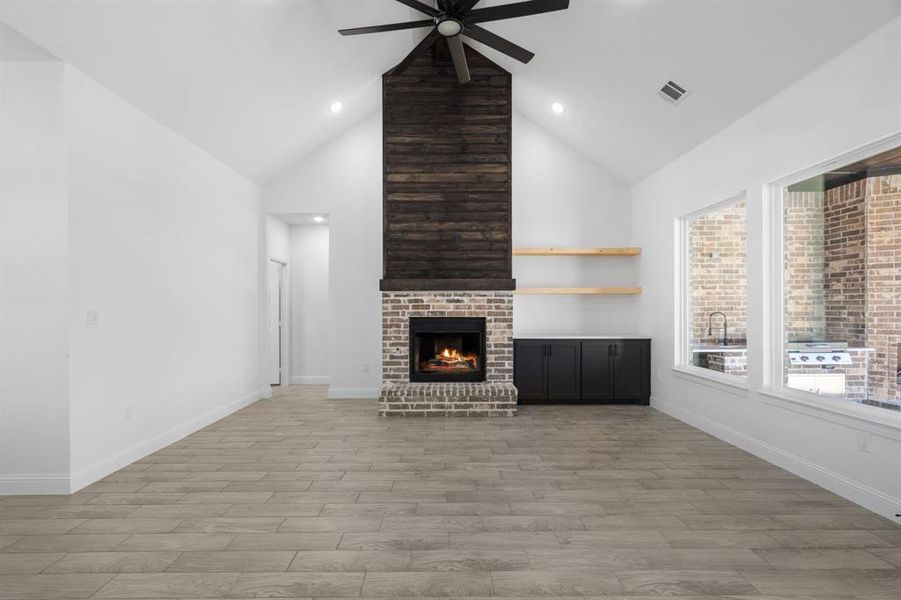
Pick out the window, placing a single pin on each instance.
(841, 282)
(715, 282)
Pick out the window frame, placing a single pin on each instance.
(682, 352)
(774, 389)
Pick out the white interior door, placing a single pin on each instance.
(275, 323)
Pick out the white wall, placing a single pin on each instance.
(342, 179)
(561, 198)
(34, 310)
(278, 240)
(852, 100)
(164, 244)
(309, 304)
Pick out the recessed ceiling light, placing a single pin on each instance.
(557, 108)
(319, 219)
(335, 107)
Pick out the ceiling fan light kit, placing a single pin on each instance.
(455, 18)
(448, 26)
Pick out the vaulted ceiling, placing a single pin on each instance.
(250, 81)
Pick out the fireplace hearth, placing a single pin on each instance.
(448, 349)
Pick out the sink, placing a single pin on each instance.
(736, 346)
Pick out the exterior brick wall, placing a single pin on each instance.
(805, 263)
(494, 397)
(719, 277)
(845, 235)
(883, 221)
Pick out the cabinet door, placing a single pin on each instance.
(632, 370)
(802, 381)
(831, 383)
(564, 368)
(529, 372)
(597, 370)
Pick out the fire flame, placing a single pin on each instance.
(451, 359)
(451, 354)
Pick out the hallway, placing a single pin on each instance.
(299, 496)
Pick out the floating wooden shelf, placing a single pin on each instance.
(576, 251)
(563, 291)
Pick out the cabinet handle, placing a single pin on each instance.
(550, 350)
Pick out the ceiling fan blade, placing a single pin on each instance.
(390, 27)
(463, 6)
(517, 9)
(423, 8)
(421, 47)
(498, 43)
(458, 55)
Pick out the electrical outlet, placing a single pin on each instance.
(367, 367)
(863, 442)
(129, 412)
(657, 375)
(91, 316)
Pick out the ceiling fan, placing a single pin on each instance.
(455, 18)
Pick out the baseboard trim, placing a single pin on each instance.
(872, 499)
(103, 467)
(32, 485)
(352, 393)
(309, 379)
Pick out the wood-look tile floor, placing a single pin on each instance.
(300, 497)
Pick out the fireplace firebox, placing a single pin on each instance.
(450, 349)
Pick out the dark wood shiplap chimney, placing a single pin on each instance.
(447, 176)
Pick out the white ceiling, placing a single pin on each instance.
(250, 81)
(302, 218)
(17, 48)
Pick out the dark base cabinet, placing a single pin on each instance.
(590, 370)
(530, 369)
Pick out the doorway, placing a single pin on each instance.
(276, 335)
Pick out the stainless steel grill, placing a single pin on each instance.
(818, 353)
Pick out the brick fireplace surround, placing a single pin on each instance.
(495, 397)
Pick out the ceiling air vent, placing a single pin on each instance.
(672, 92)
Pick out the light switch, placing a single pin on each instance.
(91, 316)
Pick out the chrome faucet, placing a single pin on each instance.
(725, 326)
